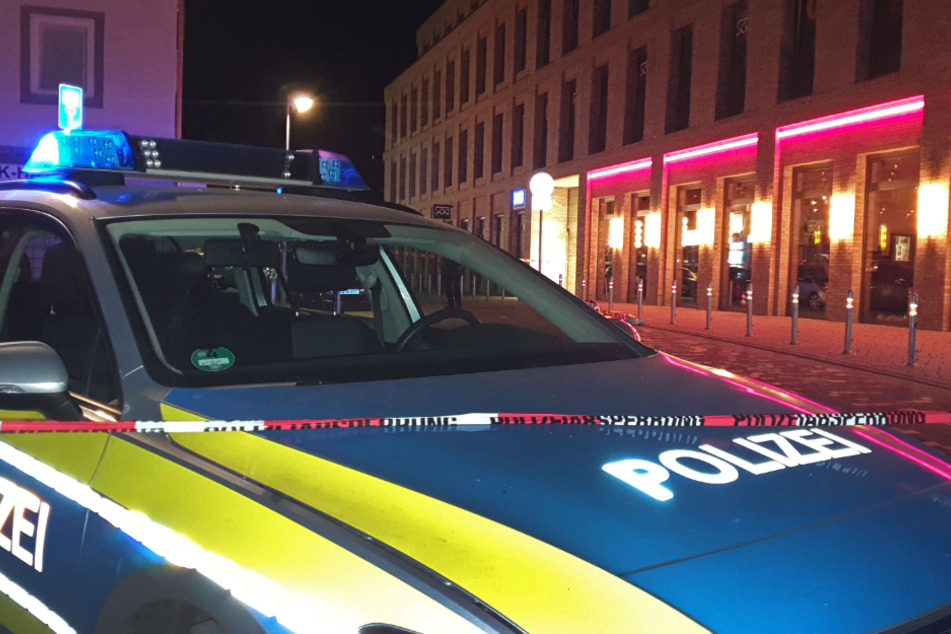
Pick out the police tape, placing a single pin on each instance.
(735, 420)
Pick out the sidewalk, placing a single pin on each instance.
(883, 348)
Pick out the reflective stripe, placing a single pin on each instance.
(537, 586)
(302, 578)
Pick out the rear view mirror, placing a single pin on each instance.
(33, 383)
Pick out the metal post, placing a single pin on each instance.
(584, 289)
(848, 323)
(611, 294)
(709, 304)
(795, 315)
(912, 325)
(561, 280)
(640, 297)
(673, 301)
(749, 309)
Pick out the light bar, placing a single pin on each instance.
(62, 152)
(101, 149)
(735, 143)
(879, 112)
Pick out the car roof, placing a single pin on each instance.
(126, 201)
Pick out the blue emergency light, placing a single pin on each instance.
(70, 151)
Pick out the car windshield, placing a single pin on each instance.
(312, 300)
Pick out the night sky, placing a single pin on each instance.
(241, 56)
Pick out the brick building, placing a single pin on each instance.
(127, 57)
(694, 144)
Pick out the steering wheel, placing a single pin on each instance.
(432, 319)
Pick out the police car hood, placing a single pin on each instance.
(744, 529)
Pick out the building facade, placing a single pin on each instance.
(698, 147)
(126, 56)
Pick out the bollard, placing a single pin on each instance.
(749, 309)
(640, 297)
(673, 301)
(709, 304)
(561, 280)
(848, 323)
(795, 315)
(584, 289)
(611, 294)
(912, 324)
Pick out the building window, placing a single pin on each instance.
(798, 52)
(464, 77)
(498, 229)
(60, 46)
(601, 17)
(812, 191)
(540, 157)
(521, 34)
(402, 178)
(497, 144)
(423, 165)
(880, 25)
(498, 73)
(543, 35)
(569, 32)
(424, 105)
(403, 113)
(634, 95)
(435, 168)
(413, 109)
(518, 134)
(731, 88)
(437, 95)
(412, 174)
(481, 52)
(393, 181)
(478, 151)
(448, 164)
(394, 113)
(463, 156)
(636, 6)
(678, 93)
(598, 132)
(566, 141)
(450, 86)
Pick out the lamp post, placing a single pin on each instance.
(541, 186)
(301, 102)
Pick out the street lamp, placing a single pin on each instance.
(301, 102)
(541, 186)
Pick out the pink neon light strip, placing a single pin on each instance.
(811, 402)
(941, 470)
(861, 115)
(620, 168)
(713, 148)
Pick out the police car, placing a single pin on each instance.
(167, 281)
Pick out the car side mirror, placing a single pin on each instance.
(33, 383)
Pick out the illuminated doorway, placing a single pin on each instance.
(812, 190)
(688, 264)
(738, 251)
(891, 233)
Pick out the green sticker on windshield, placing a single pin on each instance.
(212, 359)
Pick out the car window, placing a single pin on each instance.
(225, 301)
(45, 296)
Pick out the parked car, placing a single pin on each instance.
(812, 291)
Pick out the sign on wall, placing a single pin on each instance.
(442, 212)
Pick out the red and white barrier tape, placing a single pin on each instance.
(738, 420)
